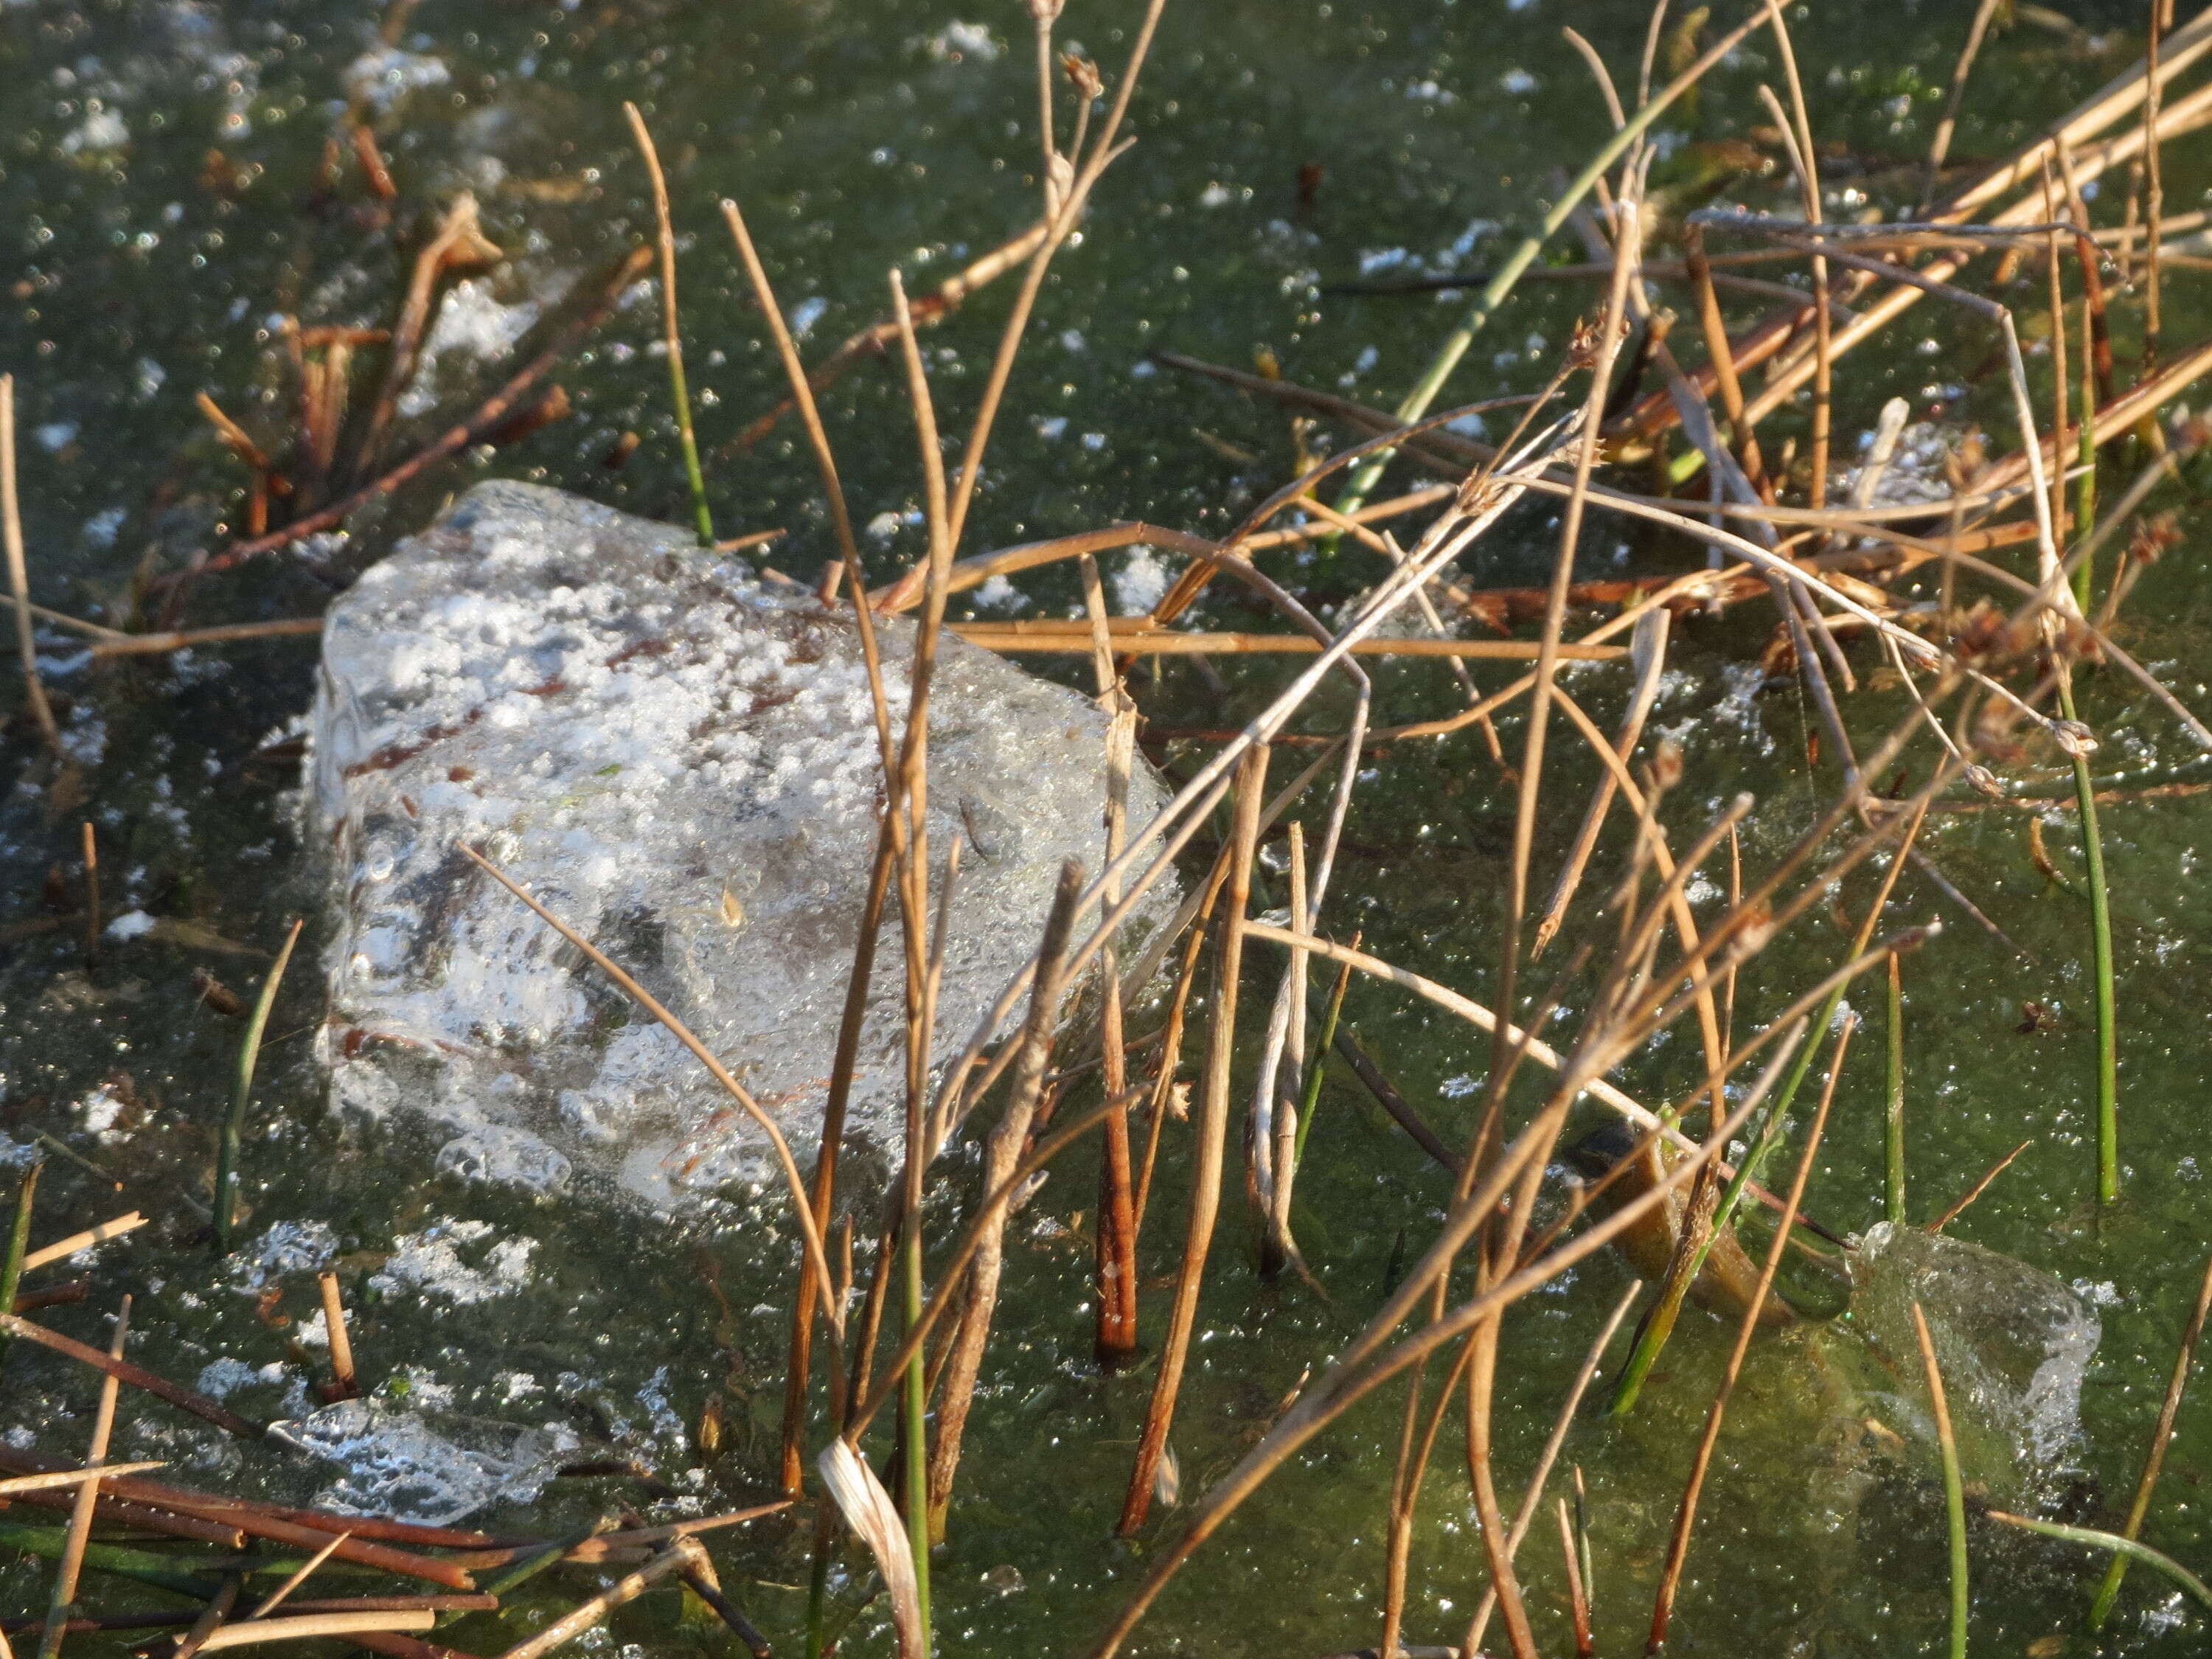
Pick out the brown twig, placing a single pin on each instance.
(457, 244)
(91, 894)
(186, 638)
(1579, 1602)
(2185, 1357)
(1004, 637)
(1002, 1153)
(681, 1554)
(2153, 186)
(874, 340)
(61, 1248)
(138, 1377)
(1532, 1499)
(343, 1386)
(11, 527)
(87, 1497)
(489, 414)
(1949, 124)
(1114, 1342)
(1210, 1133)
(1979, 1188)
(372, 165)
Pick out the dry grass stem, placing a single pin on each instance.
(343, 1383)
(683, 1034)
(61, 1248)
(1210, 1129)
(682, 1553)
(2154, 1458)
(1979, 1188)
(11, 527)
(672, 337)
(88, 1496)
(1686, 1514)
(189, 639)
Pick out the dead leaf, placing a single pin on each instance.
(869, 1511)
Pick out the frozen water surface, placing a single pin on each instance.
(432, 1470)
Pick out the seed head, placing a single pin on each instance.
(2075, 739)
(1083, 74)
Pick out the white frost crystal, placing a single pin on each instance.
(681, 763)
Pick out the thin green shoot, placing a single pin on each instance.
(2100, 936)
(19, 1242)
(234, 1127)
(916, 1427)
(1320, 1059)
(679, 392)
(1954, 1490)
(2189, 1582)
(1651, 1339)
(1416, 403)
(1893, 1205)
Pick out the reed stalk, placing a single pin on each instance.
(1114, 1339)
(914, 1431)
(18, 1242)
(233, 1126)
(1577, 1598)
(1211, 1128)
(1892, 1130)
(2085, 487)
(1686, 1514)
(88, 1496)
(1652, 1338)
(1954, 1493)
(343, 1385)
(2101, 940)
(19, 583)
(91, 895)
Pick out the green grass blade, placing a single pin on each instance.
(233, 1126)
(2195, 1587)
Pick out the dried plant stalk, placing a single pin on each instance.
(1211, 1131)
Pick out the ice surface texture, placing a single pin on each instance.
(681, 763)
(431, 1470)
(2014, 1345)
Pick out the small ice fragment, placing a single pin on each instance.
(431, 1470)
(131, 924)
(431, 1261)
(101, 130)
(500, 1153)
(384, 77)
(807, 313)
(957, 41)
(219, 1378)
